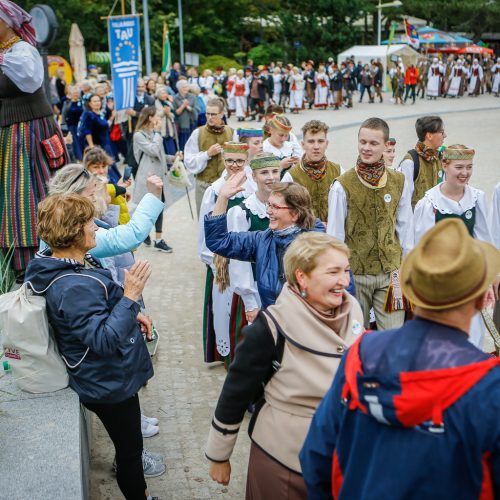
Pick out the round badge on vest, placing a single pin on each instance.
(468, 214)
(356, 327)
(387, 198)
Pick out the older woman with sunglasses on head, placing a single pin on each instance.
(294, 349)
(74, 178)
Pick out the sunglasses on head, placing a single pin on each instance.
(84, 172)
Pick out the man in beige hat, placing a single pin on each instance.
(415, 412)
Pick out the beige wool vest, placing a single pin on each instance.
(215, 166)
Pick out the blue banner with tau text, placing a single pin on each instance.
(125, 52)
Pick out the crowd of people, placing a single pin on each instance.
(302, 257)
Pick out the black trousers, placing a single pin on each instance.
(159, 221)
(123, 424)
(410, 88)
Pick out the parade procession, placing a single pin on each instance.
(249, 252)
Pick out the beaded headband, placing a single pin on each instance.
(264, 160)
(392, 141)
(275, 123)
(458, 154)
(250, 132)
(235, 147)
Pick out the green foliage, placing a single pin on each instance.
(265, 30)
(266, 52)
(211, 62)
(472, 16)
(7, 276)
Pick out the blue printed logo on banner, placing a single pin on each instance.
(125, 50)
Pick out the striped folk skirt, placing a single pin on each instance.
(210, 353)
(24, 174)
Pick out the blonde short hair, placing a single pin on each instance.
(304, 251)
(61, 219)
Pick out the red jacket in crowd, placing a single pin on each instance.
(411, 75)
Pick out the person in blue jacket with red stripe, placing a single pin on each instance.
(414, 413)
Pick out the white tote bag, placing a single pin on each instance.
(28, 344)
(178, 176)
(28, 341)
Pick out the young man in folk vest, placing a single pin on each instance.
(422, 166)
(314, 171)
(369, 208)
(202, 153)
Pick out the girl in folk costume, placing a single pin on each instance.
(217, 302)
(239, 93)
(389, 152)
(279, 145)
(207, 85)
(476, 77)
(277, 85)
(495, 71)
(457, 75)
(250, 215)
(455, 198)
(231, 101)
(322, 87)
(434, 79)
(31, 143)
(297, 86)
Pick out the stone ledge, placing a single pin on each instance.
(44, 444)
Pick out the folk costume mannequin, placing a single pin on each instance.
(31, 144)
(203, 150)
(314, 171)
(422, 165)
(455, 198)
(369, 209)
(217, 296)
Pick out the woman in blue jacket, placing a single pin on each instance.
(290, 214)
(97, 328)
(74, 178)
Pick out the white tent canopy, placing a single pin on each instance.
(365, 53)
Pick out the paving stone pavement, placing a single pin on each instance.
(183, 393)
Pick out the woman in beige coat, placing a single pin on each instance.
(294, 349)
(151, 160)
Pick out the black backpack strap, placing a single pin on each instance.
(416, 163)
(280, 343)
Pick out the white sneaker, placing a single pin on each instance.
(149, 430)
(151, 420)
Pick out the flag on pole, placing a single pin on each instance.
(391, 35)
(412, 35)
(125, 51)
(167, 54)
